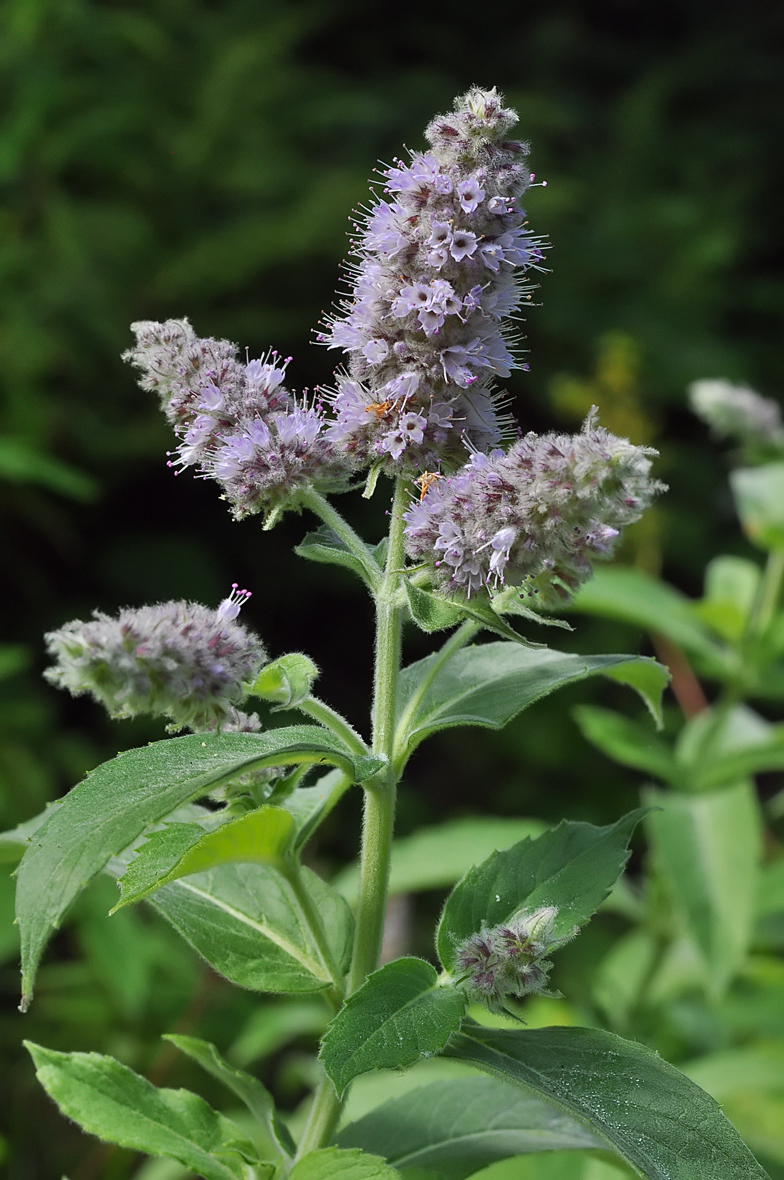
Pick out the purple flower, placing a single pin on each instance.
(437, 265)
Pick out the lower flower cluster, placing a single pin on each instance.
(533, 516)
(178, 660)
(509, 960)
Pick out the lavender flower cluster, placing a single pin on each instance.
(178, 660)
(533, 516)
(437, 270)
(509, 960)
(734, 411)
(236, 421)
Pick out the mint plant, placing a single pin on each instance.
(209, 827)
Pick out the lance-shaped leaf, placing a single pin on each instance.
(111, 1101)
(113, 805)
(629, 742)
(455, 1128)
(180, 850)
(573, 867)
(707, 848)
(661, 1124)
(398, 1015)
(248, 1089)
(491, 683)
(246, 921)
(325, 546)
(331, 1163)
(759, 498)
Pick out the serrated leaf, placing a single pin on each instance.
(572, 867)
(649, 1113)
(113, 805)
(332, 1163)
(248, 1089)
(707, 847)
(244, 919)
(324, 546)
(488, 685)
(398, 1015)
(455, 1128)
(111, 1101)
(263, 836)
(628, 742)
(437, 856)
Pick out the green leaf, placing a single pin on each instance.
(707, 848)
(19, 463)
(482, 612)
(113, 805)
(632, 596)
(510, 602)
(310, 805)
(731, 585)
(759, 498)
(622, 975)
(14, 842)
(245, 920)
(276, 1022)
(654, 1117)
(180, 850)
(572, 867)
(752, 1069)
(325, 546)
(435, 857)
(111, 1101)
(455, 1128)
(13, 658)
(648, 678)
(398, 1015)
(331, 1163)
(286, 681)
(430, 611)
(626, 741)
(247, 1088)
(490, 684)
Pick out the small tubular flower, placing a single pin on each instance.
(236, 422)
(735, 411)
(509, 960)
(535, 516)
(178, 660)
(438, 265)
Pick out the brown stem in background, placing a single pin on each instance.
(686, 688)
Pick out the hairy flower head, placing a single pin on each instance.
(509, 960)
(178, 660)
(439, 257)
(535, 516)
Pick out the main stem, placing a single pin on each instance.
(379, 815)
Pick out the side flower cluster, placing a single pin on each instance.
(509, 960)
(437, 271)
(236, 422)
(535, 516)
(734, 411)
(178, 660)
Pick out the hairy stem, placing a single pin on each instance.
(330, 718)
(352, 540)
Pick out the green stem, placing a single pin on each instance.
(352, 540)
(330, 718)
(379, 815)
(292, 873)
(465, 632)
(768, 595)
(322, 1119)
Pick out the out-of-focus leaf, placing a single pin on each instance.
(626, 741)
(436, 857)
(731, 585)
(759, 498)
(274, 1024)
(19, 463)
(707, 848)
(13, 658)
(332, 1163)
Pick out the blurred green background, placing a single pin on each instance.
(175, 157)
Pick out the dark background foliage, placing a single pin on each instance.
(172, 157)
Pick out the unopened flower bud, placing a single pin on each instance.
(734, 411)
